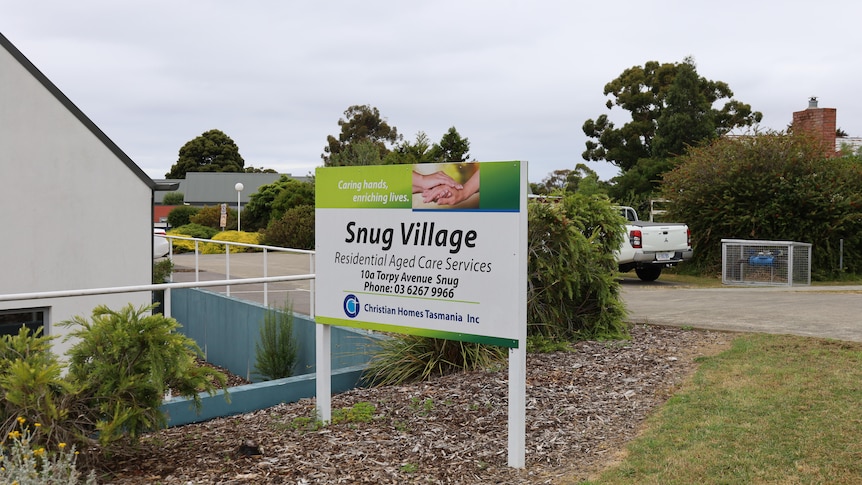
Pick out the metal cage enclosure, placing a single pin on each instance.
(769, 263)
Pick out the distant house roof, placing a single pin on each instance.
(210, 188)
(87, 122)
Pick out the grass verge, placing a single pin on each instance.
(772, 409)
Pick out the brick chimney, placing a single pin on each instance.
(820, 122)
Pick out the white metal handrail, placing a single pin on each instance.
(228, 282)
(152, 287)
(228, 244)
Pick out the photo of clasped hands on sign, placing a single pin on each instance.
(446, 186)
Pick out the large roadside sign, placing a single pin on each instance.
(438, 250)
(429, 249)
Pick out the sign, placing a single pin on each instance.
(437, 250)
(429, 249)
(223, 219)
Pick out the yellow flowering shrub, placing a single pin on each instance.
(230, 236)
(24, 463)
(182, 246)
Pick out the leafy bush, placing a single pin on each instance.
(271, 201)
(190, 230)
(571, 293)
(294, 230)
(571, 290)
(195, 230)
(32, 385)
(277, 348)
(180, 216)
(173, 198)
(124, 362)
(119, 369)
(772, 187)
(406, 358)
(210, 216)
(162, 271)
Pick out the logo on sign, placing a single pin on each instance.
(351, 305)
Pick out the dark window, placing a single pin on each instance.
(12, 320)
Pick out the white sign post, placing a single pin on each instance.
(437, 250)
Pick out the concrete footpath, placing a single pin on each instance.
(816, 311)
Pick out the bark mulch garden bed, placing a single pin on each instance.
(583, 406)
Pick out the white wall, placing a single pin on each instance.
(72, 214)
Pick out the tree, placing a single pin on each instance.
(271, 201)
(295, 194)
(686, 118)
(411, 153)
(213, 151)
(251, 169)
(360, 123)
(644, 91)
(638, 184)
(452, 148)
(770, 186)
(361, 152)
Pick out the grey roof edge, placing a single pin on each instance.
(68, 104)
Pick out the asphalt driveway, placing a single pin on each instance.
(816, 311)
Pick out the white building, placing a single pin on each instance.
(75, 211)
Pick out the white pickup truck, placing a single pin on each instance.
(650, 246)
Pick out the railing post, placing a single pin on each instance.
(265, 285)
(197, 262)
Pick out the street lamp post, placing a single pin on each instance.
(238, 188)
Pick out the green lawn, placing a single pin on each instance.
(772, 409)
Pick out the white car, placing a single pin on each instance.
(161, 246)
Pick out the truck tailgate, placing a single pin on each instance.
(658, 237)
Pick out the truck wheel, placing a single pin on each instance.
(648, 273)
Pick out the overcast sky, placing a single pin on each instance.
(518, 79)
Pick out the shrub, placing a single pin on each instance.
(769, 187)
(195, 230)
(272, 200)
(210, 216)
(231, 236)
(571, 293)
(406, 358)
(118, 372)
(277, 348)
(162, 271)
(123, 362)
(25, 462)
(180, 216)
(173, 198)
(32, 385)
(190, 230)
(571, 290)
(294, 230)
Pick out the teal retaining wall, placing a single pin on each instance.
(227, 330)
(261, 395)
